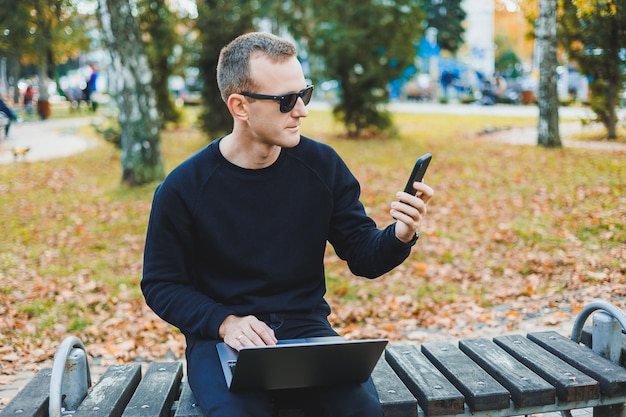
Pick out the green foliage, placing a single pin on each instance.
(157, 21)
(14, 36)
(219, 22)
(42, 32)
(346, 41)
(362, 45)
(506, 60)
(447, 17)
(595, 38)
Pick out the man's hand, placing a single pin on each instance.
(238, 332)
(410, 210)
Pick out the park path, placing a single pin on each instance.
(46, 139)
(567, 130)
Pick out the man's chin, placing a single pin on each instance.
(292, 141)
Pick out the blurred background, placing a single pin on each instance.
(469, 51)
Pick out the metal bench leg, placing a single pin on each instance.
(608, 324)
(70, 380)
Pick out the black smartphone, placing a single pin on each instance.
(418, 172)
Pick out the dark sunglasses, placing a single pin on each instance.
(287, 101)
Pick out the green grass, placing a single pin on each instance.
(73, 237)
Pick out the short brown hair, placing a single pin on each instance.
(233, 67)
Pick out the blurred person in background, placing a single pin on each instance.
(8, 113)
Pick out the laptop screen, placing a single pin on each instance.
(300, 363)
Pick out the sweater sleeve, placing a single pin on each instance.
(167, 281)
(369, 251)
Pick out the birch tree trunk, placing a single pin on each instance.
(547, 97)
(129, 83)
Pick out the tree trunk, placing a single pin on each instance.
(611, 104)
(43, 102)
(547, 97)
(129, 83)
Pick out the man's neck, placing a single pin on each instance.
(248, 154)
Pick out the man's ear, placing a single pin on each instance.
(237, 106)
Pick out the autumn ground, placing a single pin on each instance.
(515, 235)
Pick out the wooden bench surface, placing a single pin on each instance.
(509, 375)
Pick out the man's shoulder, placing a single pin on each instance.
(309, 147)
(196, 167)
(319, 157)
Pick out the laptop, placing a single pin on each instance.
(300, 363)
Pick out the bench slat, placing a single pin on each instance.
(113, 391)
(435, 394)
(157, 391)
(611, 376)
(32, 399)
(481, 391)
(395, 397)
(526, 387)
(403, 374)
(570, 383)
(187, 404)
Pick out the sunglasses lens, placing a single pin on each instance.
(307, 94)
(288, 102)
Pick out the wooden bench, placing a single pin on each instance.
(504, 376)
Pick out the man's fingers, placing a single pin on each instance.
(249, 331)
(263, 332)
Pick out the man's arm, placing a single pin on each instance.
(371, 252)
(167, 272)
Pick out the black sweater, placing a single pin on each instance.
(227, 240)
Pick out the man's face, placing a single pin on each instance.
(266, 121)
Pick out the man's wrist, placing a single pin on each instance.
(402, 237)
(223, 327)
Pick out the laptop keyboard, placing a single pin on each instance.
(231, 365)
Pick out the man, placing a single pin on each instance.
(91, 87)
(9, 114)
(237, 233)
